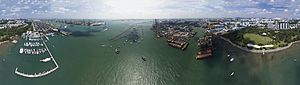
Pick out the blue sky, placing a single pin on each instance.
(139, 9)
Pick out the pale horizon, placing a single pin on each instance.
(147, 9)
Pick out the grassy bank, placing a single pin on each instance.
(253, 35)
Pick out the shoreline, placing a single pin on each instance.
(3, 42)
(260, 51)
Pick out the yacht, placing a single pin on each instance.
(21, 50)
(231, 59)
(117, 51)
(45, 60)
(232, 73)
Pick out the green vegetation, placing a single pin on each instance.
(6, 34)
(254, 35)
(258, 39)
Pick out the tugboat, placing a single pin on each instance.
(117, 51)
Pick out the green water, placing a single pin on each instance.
(83, 61)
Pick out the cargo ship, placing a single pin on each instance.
(205, 48)
(178, 44)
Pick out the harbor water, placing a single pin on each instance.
(88, 58)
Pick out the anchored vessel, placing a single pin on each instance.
(117, 51)
(206, 48)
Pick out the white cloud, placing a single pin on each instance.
(149, 8)
(286, 10)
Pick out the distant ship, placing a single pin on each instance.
(98, 24)
(205, 44)
(143, 58)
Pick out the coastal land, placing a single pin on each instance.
(262, 40)
(260, 51)
(11, 29)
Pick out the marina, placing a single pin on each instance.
(37, 37)
(38, 51)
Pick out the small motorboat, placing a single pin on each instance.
(232, 73)
(117, 51)
(231, 59)
(143, 58)
(14, 41)
(45, 60)
(103, 45)
(21, 50)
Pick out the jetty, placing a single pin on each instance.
(35, 75)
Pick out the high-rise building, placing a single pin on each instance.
(283, 25)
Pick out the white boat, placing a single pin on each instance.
(45, 60)
(14, 41)
(105, 29)
(228, 55)
(21, 50)
(98, 24)
(232, 73)
(231, 59)
(103, 45)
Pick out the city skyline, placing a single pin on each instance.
(145, 9)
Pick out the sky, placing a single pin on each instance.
(147, 9)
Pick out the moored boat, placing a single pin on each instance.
(117, 51)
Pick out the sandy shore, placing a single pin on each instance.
(3, 42)
(260, 51)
